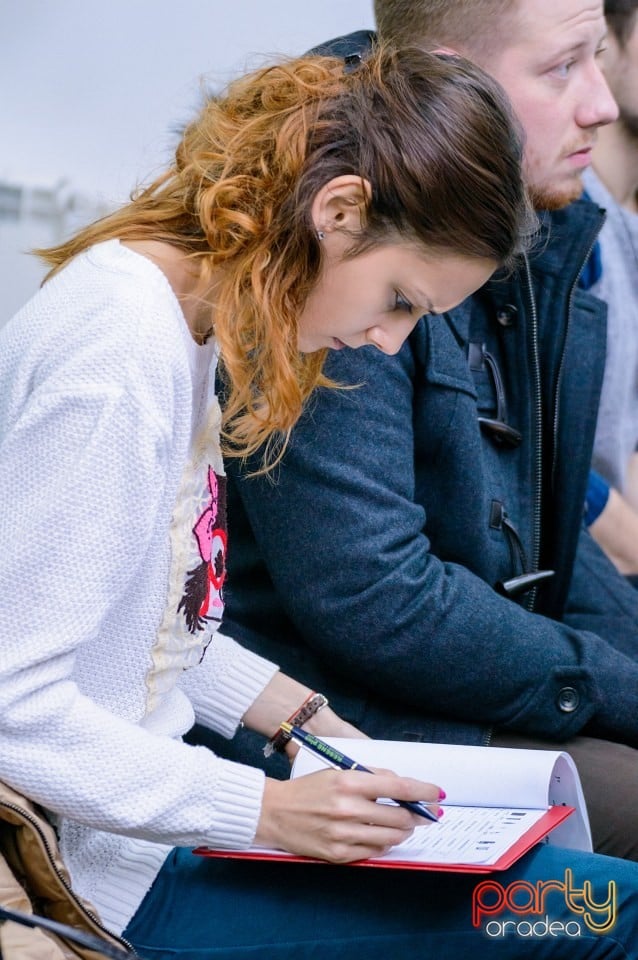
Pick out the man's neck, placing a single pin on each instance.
(616, 164)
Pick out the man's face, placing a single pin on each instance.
(551, 71)
(621, 69)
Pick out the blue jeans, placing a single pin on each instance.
(203, 908)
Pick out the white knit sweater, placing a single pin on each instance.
(112, 542)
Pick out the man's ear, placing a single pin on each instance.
(340, 205)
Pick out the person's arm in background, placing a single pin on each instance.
(344, 543)
(631, 481)
(613, 523)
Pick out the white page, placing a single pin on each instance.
(565, 789)
(477, 776)
(473, 835)
(468, 835)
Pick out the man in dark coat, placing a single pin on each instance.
(421, 557)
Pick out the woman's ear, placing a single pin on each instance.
(340, 205)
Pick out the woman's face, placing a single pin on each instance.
(377, 297)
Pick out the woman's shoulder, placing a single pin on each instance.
(107, 323)
(107, 299)
(110, 276)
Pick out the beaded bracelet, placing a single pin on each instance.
(313, 703)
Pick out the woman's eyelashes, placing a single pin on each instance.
(402, 303)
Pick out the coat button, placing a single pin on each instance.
(506, 315)
(568, 700)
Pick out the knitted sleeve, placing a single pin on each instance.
(225, 684)
(84, 465)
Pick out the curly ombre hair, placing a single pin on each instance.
(432, 135)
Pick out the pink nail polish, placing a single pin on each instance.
(442, 794)
(441, 812)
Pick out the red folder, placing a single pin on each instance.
(525, 842)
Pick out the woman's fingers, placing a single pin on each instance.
(335, 815)
(407, 788)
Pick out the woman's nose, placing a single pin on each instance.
(390, 339)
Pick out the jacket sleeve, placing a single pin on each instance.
(600, 600)
(344, 542)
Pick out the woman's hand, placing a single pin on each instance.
(333, 814)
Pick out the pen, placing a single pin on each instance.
(338, 759)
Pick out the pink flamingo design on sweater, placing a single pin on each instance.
(203, 598)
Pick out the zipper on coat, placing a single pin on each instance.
(537, 438)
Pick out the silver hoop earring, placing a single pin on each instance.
(321, 235)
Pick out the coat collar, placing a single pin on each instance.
(565, 239)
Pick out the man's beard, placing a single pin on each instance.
(554, 192)
(546, 198)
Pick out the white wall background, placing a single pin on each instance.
(92, 90)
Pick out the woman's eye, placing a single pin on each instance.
(401, 303)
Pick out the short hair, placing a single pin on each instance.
(473, 27)
(433, 135)
(621, 18)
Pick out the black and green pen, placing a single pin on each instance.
(338, 759)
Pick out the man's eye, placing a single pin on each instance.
(402, 303)
(562, 70)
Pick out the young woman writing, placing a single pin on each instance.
(310, 207)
